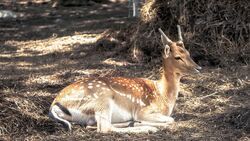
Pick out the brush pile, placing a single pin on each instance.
(216, 32)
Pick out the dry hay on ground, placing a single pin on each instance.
(34, 68)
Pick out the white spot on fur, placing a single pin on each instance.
(95, 95)
(129, 96)
(138, 101)
(142, 103)
(90, 84)
(133, 99)
(97, 85)
(90, 87)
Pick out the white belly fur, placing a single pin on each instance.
(80, 118)
(120, 114)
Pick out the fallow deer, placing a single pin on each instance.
(112, 102)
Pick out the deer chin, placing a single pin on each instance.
(190, 72)
(196, 71)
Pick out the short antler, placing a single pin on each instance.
(165, 36)
(179, 33)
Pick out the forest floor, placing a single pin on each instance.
(44, 49)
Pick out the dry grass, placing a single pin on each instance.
(35, 66)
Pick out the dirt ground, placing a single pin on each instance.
(44, 49)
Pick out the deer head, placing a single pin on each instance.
(176, 58)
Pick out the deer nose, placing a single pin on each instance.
(198, 67)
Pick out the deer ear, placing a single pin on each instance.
(166, 51)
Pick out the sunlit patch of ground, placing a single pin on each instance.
(50, 45)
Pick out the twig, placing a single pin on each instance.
(206, 96)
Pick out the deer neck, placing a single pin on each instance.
(168, 87)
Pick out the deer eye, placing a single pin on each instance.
(177, 58)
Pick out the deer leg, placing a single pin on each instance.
(155, 119)
(139, 129)
(103, 114)
(103, 119)
(128, 127)
(125, 124)
(104, 125)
